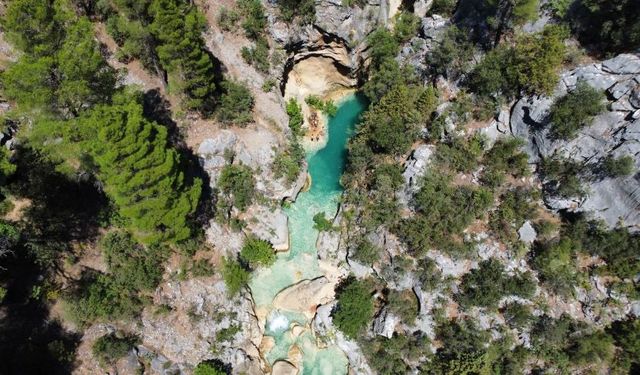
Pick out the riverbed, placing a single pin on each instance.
(301, 262)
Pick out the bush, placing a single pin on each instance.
(451, 57)
(406, 26)
(556, 266)
(209, 368)
(514, 209)
(354, 310)
(460, 155)
(486, 285)
(611, 27)
(575, 110)
(504, 158)
(257, 252)
(517, 315)
(235, 105)
(288, 163)
(258, 56)
(529, 67)
(617, 167)
(237, 182)
(228, 19)
(303, 9)
(443, 212)
(593, 348)
(327, 107)
(255, 19)
(562, 177)
(321, 223)
(443, 8)
(234, 275)
(109, 348)
(404, 304)
(296, 118)
(366, 252)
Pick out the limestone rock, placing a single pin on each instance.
(269, 224)
(385, 323)
(527, 233)
(283, 367)
(305, 296)
(622, 64)
(421, 7)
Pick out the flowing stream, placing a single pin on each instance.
(301, 261)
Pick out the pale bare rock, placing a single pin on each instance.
(283, 367)
(305, 296)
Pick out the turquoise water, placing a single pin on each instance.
(301, 261)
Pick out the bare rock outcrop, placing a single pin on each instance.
(611, 133)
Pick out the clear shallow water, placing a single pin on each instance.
(301, 261)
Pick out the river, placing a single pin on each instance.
(325, 167)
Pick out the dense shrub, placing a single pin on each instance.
(614, 167)
(235, 105)
(406, 26)
(228, 19)
(609, 26)
(515, 208)
(451, 57)
(517, 315)
(354, 310)
(460, 154)
(258, 55)
(288, 163)
(109, 348)
(296, 118)
(486, 285)
(304, 10)
(236, 182)
(255, 18)
(391, 356)
(209, 368)
(504, 158)
(257, 252)
(575, 110)
(562, 177)
(443, 212)
(366, 252)
(627, 337)
(556, 266)
(529, 67)
(234, 275)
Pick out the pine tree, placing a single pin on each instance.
(141, 175)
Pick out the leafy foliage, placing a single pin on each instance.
(529, 67)
(355, 308)
(321, 223)
(562, 177)
(504, 158)
(443, 212)
(236, 181)
(235, 276)
(209, 368)
(109, 348)
(555, 263)
(451, 57)
(617, 167)
(573, 111)
(611, 27)
(515, 208)
(255, 19)
(140, 174)
(257, 252)
(235, 105)
(303, 9)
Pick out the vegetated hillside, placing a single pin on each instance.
(490, 214)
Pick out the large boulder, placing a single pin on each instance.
(269, 224)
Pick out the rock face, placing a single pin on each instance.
(527, 233)
(199, 310)
(612, 133)
(305, 296)
(283, 368)
(270, 225)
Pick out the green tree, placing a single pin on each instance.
(611, 26)
(255, 19)
(617, 167)
(235, 105)
(406, 26)
(556, 264)
(575, 110)
(141, 174)
(182, 52)
(109, 348)
(593, 348)
(35, 26)
(355, 308)
(237, 182)
(234, 275)
(257, 252)
(208, 368)
(321, 223)
(305, 10)
(451, 57)
(296, 119)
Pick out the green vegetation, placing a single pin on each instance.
(529, 67)
(443, 212)
(391, 356)
(288, 163)
(486, 285)
(235, 105)
(562, 177)
(355, 308)
(443, 8)
(234, 275)
(617, 167)
(257, 252)
(236, 182)
(504, 158)
(515, 208)
(406, 26)
(609, 27)
(296, 118)
(575, 110)
(255, 19)
(366, 252)
(517, 315)
(304, 10)
(109, 348)
(209, 368)
(228, 19)
(452, 56)
(556, 264)
(321, 223)
(460, 154)
(258, 56)
(140, 174)
(328, 107)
